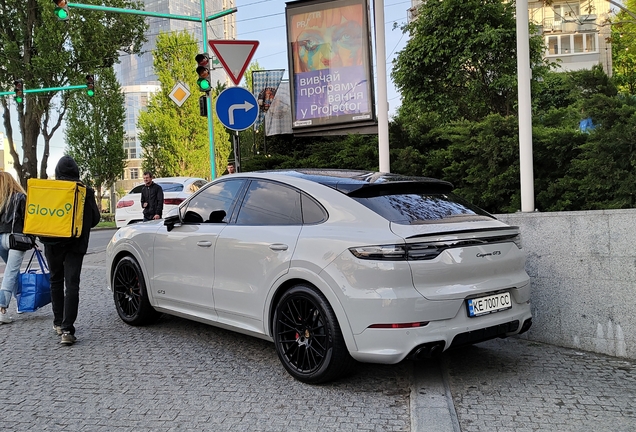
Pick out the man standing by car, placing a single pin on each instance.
(151, 198)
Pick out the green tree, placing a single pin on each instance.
(460, 60)
(175, 139)
(624, 50)
(95, 133)
(605, 171)
(45, 52)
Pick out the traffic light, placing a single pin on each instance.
(19, 91)
(90, 85)
(203, 69)
(61, 10)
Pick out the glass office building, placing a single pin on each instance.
(136, 74)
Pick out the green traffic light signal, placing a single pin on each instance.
(61, 9)
(90, 85)
(204, 84)
(19, 91)
(203, 70)
(61, 14)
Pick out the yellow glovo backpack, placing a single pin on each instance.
(54, 208)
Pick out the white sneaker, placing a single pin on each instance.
(5, 318)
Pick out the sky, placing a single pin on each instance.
(264, 21)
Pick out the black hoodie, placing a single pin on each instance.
(67, 169)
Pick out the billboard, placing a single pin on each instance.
(329, 50)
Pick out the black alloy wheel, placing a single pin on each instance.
(129, 293)
(307, 336)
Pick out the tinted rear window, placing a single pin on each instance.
(171, 187)
(167, 187)
(422, 208)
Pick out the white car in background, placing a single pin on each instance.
(175, 191)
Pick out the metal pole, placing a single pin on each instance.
(237, 151)
(383, 103)
(525, 109)
(132, 12)
(113, 199)
(47, 89)
(152, 14)
(204, 33)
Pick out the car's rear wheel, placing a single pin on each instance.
(307, 336)
(130, 295)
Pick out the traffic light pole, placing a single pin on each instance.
(47, 89)
(204, 31)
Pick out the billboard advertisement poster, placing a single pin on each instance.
(329, 57)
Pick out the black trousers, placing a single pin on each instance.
(65, 267)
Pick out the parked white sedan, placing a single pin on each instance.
(175, 191)
(332, 266)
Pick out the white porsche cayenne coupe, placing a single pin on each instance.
(333, 266)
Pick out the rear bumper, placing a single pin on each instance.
(391, 346)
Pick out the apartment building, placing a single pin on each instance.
(576, 33)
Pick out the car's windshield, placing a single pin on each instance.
(421, 208)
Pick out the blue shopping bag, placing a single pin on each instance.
(34, 286)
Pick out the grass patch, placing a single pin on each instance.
(105, 224)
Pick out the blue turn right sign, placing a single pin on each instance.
(236, 108)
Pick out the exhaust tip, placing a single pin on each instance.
(526, 326)
(427, 351)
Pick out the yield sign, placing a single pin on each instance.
(234, 55)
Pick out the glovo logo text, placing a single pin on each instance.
(37, 209)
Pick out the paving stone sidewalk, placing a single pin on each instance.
(176, 375)
(519, 385)
(179, 375)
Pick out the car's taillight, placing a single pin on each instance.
(425, 250)
(124, 203)
(400, 325)
(412, 252)
(173, 201)
(380, 252)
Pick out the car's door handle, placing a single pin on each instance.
(278, 247)
(204, 243)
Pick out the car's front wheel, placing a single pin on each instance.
(130, 295)
(307, 336)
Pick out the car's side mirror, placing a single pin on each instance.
(171, 221)
(217, 216)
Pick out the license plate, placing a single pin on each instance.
(489, 304)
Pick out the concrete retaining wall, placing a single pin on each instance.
(583, 271)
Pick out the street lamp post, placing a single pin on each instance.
(525, 108)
